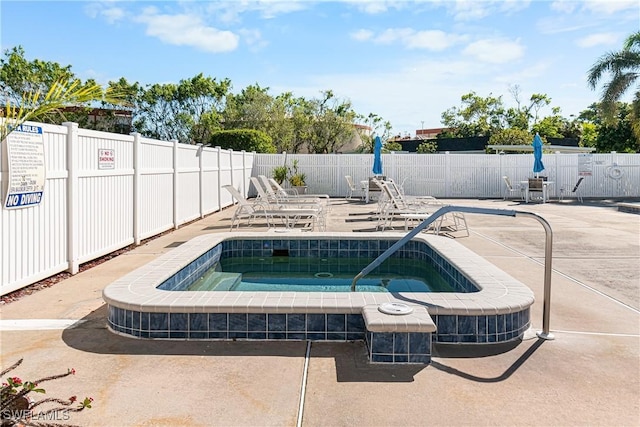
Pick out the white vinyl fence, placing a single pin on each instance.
(87, 212)
(613, 175)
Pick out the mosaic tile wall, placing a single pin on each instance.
(301, 326)
(399, 347)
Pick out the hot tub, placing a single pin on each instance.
(486, 306)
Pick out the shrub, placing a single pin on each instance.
(243, 139)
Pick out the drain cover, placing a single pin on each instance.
(395, 308)
(323, 275)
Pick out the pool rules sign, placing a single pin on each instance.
(25, 159)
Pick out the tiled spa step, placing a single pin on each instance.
(398, 338)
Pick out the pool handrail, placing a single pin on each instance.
(544, 334)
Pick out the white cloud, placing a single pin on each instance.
(495, 51)
(187, 30)
(231, 11)
(601, 39)
(392, 35)
(362, 35)
(253, 38)
(110, 13)
(474, 10)
(468, 10)
(563, 6)
(610, 7)
(374, 7)
(434, 40)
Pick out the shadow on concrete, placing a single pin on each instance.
(467, 351)
(505, 375)
(352, 364)
(216, 227)
(91, 335)
(351, 360)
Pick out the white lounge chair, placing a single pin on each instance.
(417, 208)
(275, 190)
(307, 216)
(291, 211)
(245, 210)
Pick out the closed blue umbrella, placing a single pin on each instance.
(537, 155)
(377, 156)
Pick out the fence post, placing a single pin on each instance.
(231, 171)
(136, 188)
(175, 183)
(73, 207)
(244, 172)
(218, 154)
(200, 153)
(447, 174)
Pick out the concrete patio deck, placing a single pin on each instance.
(588, 375)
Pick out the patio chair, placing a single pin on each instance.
(352, 188)
(510, 189)
(536, 186)
(373, 189)
(576, 190)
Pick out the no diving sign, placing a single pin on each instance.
(25, 153)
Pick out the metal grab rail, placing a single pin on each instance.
(544, 334)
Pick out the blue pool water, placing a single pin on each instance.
(294, 274)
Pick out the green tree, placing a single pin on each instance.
(608, 135)
(280, 117)
(476, 117)
(371, 126)
(391, 146)
(19, 76)
(188, 111)
(617, 135)
(427, 147)
(550, 126)
(589, 135)
(250, 109)
(331, 124)
(521, 116)
(623, 67)
(512, 136)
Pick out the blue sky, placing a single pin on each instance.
(406, 61)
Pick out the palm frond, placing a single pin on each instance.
(62, 93)
(613, 90)
(632, 41)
